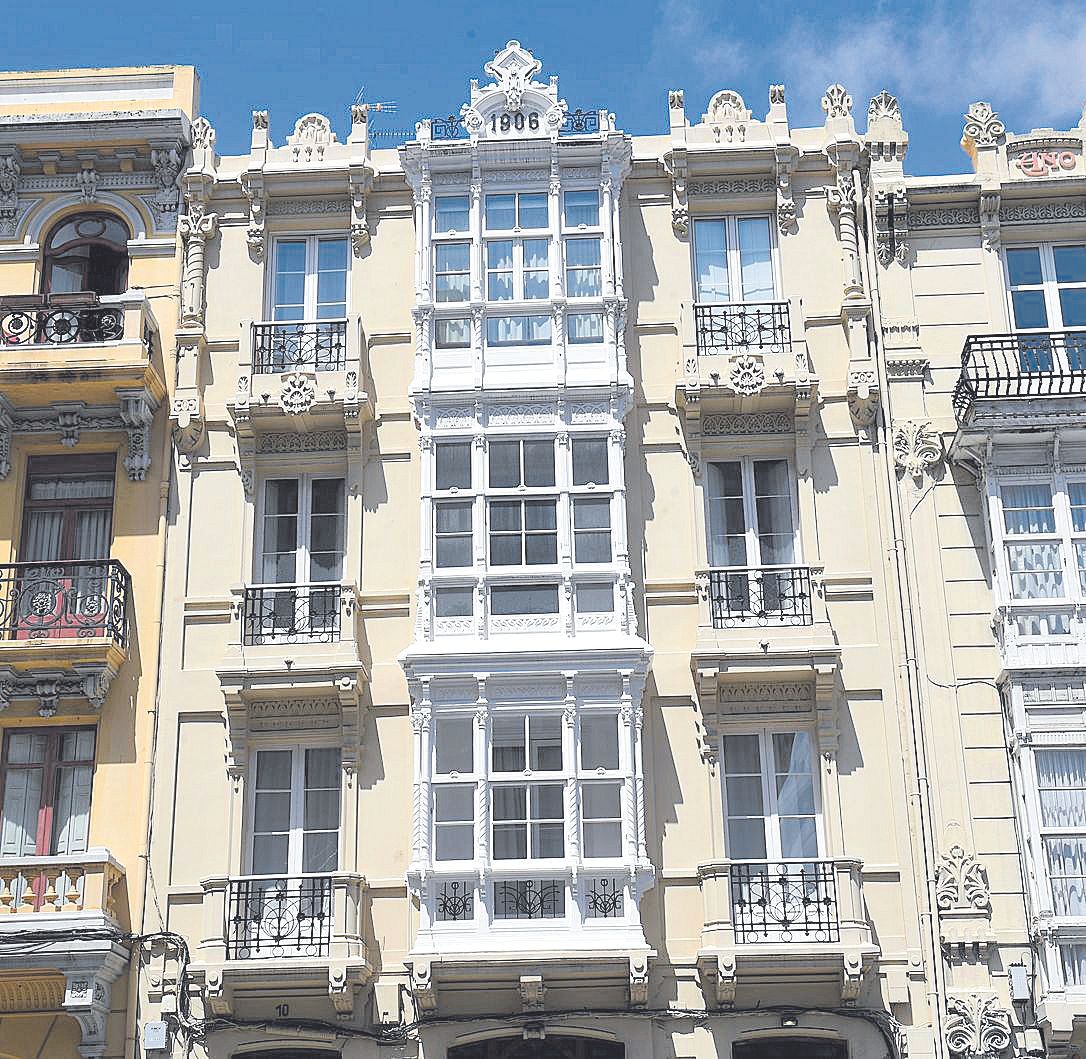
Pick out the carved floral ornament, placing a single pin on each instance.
(746, 375)
(203, 135)
(982, 126)
(729, 115)
(918, 446)
(961, 882)
(836, 102)
(976, 1027)
(884, 105)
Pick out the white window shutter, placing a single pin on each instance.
(73, 809)
(22, 798)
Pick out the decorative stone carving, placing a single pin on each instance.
(976, 1027)
(513, 69)
(900, 220)
(312, 134)
(86, 181)
(746, 375)
(680, 221)
(884, 105)
(10, 170)
(982, 126)
(785, 157)
(7, 427)
(137, 412)
(988, 215)
(960, 880)
(755, 185)
(298, 393)
(719, 423)
(252, 185)
(167, 162)
(361, 178)
(532, 990)
(729, 116)
(197, 226)
(863, 396)
(317, 441)
(884, 249)
(203, 135)
(676, 99)
(836, 102)
(776, 94)
(639, 981)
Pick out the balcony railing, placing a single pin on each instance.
(766, 595)
(450, 128)
(581, 121)
(745, 327)
(292, 613)
(785, 902)
(270, 917)
(81, 882)
(530, 899)
(75, 599)
(1031, 364)
(299, 346)
(61, 324)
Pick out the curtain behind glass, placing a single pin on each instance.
(727, 521)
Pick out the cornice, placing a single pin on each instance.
(132, 125)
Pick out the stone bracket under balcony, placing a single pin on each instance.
(744, 357)
(304, 937)
(772, 926)
(300, 375)
(63, 631)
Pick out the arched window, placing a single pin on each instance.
(549, 1048)
(87, 252)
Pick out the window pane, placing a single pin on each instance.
(453, 602)
(271, 811)
(510, 803)
(590, 461)
(321, 810)
(1036, 571)
(711, 261)
(1028, 509)
(741, 755)
(451, 213)
(454, 804)
(1073, 306)
(602, 840)
(454, 842)
(746, 839)
(332, 276)
(500, 212)
(540, 515)
(452, 257)
(743, 795)
(453, 518)
(595, 599)
(533, 210)
(1067, 869)
(1070, 264)
(453, 465)
(273, 770)
(536, 252)
(1076, 492)
(582, 252)
(592, 513)
(1024, 265)
(539, 463)
(1029, 309)
(322, 769)
(524, 599)
(452, 334)
(453, 743)
(320, 851)
(601, 801)
(270, 854)
(584, 327)
(599, 741)
(755, 259)
(582, 207)
(507, 744)
(1061, 781)
(504, 460)
(545, 743)
(799, 838)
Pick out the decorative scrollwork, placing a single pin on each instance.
(84, 598)
(976, 1027)
(746, 375)
(273, 918)
(530, 899)
(983, 127)
(917, 446)
(784, 902)
(961, 881)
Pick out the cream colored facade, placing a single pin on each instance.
(577, 623)
(90, 165)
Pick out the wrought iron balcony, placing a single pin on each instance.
(530, 899)
(318, 345)
(54, 324)
(292, 613)
(784, 902)
(77, 599)
(765, 595)
(744, 327)
(270, 917)
(1030, 364)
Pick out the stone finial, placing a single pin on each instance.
(676, 99)
(776, 94)
(884, 105)
(203, 135)
(836, 102)
(983, 127)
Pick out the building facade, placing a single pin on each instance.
(90, 168)
(621, 594)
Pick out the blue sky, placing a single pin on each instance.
(1027, 59)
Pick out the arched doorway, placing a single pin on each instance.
(549, 1048)
(86, 252)
(790, 1048)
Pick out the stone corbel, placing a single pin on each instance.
(863, 396)
(218, 993)
(7, 429)
(826, 709)
(137, 413)
(976, 1027)
(196, 227)
(639, 981)
(989, 219)
(532, 991)
(86, 999)
(187, 420)
(360, 178)
(341, 990)
(675, 163)
(87, 179)
(901, 224)
(718, 979)
(852, 977)
(785, 158)
(252, 186)
(422, 986)
(167, 161)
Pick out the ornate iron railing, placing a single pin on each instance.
(268, 918)
(760, 595)
(530, 899)
(292, 613)
(784, 902)
(1033, 364)
(760, 327)
(581, 121)
(55, 601)
(319, 345)
(456, 901)
(604, 898)
(58, 325)
(450, 128)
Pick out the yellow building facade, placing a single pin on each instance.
(90, 195)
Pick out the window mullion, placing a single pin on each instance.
(297, 811)
(309, 310)
(769, 796)
(750, 513)
(735, 279)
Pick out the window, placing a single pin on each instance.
(302, 537)
(590, 461)
(508, 600)
(452, 334)
(517, 269)
(595, 598)
(518, 330)
(1061, 787)
(87, 252)
(770, 796)
(451, 213)
(295, 811)
(584, 327)
(452, 460)
(452, 272)
(453, 602)
(581, 209)
(1047, 287)
(750, 514)
(583, 268)
(517, 463)
(47, 775)
(310, 279)
(592, 529)
(525, 209)
(452, 534)
(523, 532)
(733, 260)
(68, 508)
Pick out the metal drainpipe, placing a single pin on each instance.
(902, 576)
